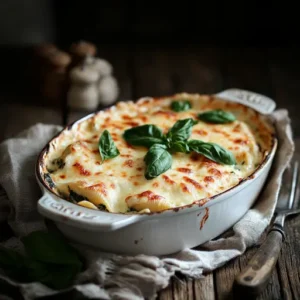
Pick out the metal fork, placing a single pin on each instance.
(255, 276)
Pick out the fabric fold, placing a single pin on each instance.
(110, 276)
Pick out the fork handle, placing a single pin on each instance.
(255, 276)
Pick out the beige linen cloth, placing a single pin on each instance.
(110, 276)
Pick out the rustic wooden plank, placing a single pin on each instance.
(285, 75)
(204, 288)
(160, 72)
(183, 289)
(197, 70)
(246, 68)
(289, 260)
(166, 293)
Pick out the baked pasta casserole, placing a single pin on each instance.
(157, 153)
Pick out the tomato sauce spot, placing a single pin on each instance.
(201, 132)
(99, 187)
(168, 179)
(184, 188)
(196, 184)
(150, 196)
(241, 142)
(128, 163)
(184, 170)
(209, 179)
(81, 169)
(215, 172)
(205, 217)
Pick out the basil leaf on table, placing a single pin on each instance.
(180, 146)
(158, 160)
(12, 263)
(50, 247)
(107, 147)
(54, 276)
(49, 259)
(182, 105)
(181, 130)
(145, 135)
(212, 151)
(217, 116)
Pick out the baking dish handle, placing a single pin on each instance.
(63, 211)
(260, 103)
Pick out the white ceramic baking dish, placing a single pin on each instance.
(168, 231)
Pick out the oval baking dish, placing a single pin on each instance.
(168, 230)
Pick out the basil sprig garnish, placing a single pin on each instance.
(158, 158)
(145, 135)
(107, 147)
(217, 116)
(181, 105)
(212, 151)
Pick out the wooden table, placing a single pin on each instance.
(150, 70)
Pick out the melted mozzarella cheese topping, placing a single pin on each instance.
(118, 184)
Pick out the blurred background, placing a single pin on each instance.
(154, 48)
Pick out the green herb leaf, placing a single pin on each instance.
(212, 151)
(217, 116)
(180, 146)
(48, 179)
(102, 207)
(59, 163)
(12, 263)
(158, 160)
(181, 130)
(54, 276)
(107, 147)
(182, 105)
(50, 260)
(52, 248)
(74, 197)
(145, 135)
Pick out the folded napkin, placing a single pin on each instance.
(110, 276)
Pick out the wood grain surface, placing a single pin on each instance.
(148, 70)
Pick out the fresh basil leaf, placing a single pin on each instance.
(158, 160)
(107, 147)
(51, 248)
(212, 151)
(54, 276)
(217, 116)
(180, 146)
(182, 105)
(181, 130)
(145, 135)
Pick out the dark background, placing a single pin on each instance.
(161, 47)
